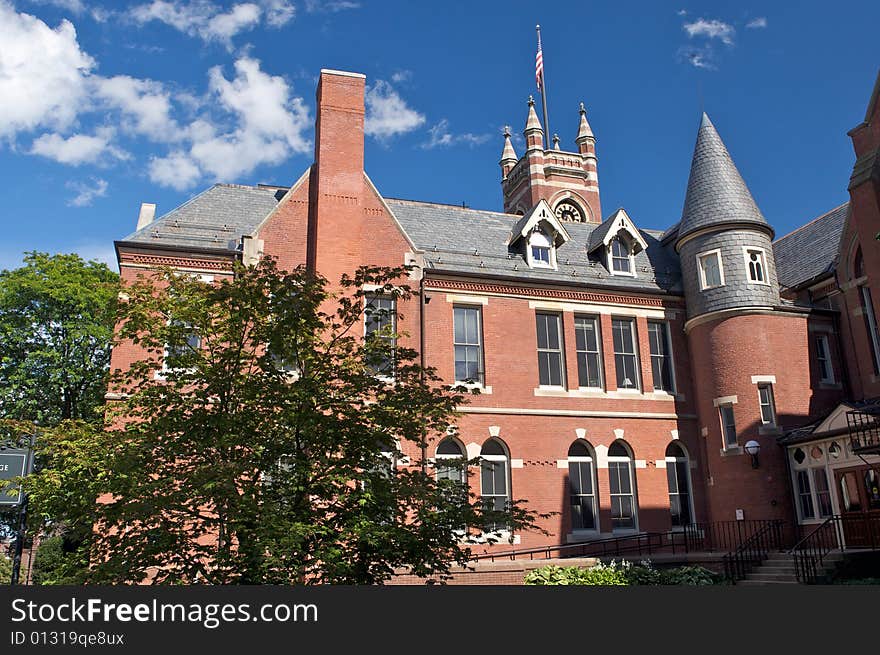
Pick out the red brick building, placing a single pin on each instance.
(624, 372)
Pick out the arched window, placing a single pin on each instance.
(621, 477)
(858, 264)
(494, 481)
(582, 486)
(621, 257)
(451, 461)
(678, 475)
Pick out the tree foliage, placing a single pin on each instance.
(256, 441)
(57, 315)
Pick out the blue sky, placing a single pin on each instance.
(104, 105)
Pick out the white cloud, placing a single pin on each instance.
(711, 29)
(145, 105)
(208, 21)
(440, 137)
(176, 170)
(42, 69)
(698, 57)
(86, 193)
(401, 76)
(73, 6)
(331, 6)
(757, 23)
(79, 148)
(387, 113)
(682, 12)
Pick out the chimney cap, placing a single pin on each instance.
(330, 71)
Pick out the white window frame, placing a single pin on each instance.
(595, 495)
(505, 459)
(772, 404)
(537, 263)
(823, 354)
(686, 460)
(377, 294)
(637, 388)
(700, 267)
(631, 466)
(867, 304)
(724, 444)
(168, 369)
(598, 323)
(810, 466)
(481, 382)
(561, 350)
(669, 355)
(631, 258)
(747, 251)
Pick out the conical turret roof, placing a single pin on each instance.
(716, 192)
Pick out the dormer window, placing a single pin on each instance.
(541, 250)
(621, 257)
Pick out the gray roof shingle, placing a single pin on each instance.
(216, 218)
(716, 192)
(474, 242)
(811, 250)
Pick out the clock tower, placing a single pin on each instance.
(568, 181)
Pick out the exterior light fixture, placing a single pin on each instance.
(753, 448)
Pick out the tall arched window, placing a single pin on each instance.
(494, 481)
(582, 486)
(621, 477)
(678, 475)
(451, 461)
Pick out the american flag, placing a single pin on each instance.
(539, 67)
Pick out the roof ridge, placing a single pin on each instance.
(443, 204)
(810, 222)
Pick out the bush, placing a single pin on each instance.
(621, 573)
(5, 570)
(57, 562)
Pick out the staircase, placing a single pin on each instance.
(779, 568)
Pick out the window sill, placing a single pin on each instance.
(731, 450)
(716, 286)
(498, 538)
(471, 385)
(578, 536)
(629, 391)
(551, 391)
(830, 385)
(666, 395)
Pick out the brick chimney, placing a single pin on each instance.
(337, 180)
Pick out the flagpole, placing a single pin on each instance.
(543, 88)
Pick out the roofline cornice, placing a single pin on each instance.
(740, 311)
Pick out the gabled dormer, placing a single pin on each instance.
(537, 235)
(618, 241)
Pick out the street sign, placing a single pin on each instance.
(12, 465)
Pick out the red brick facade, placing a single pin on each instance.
(333, 220)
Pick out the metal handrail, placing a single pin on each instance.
(695, 537)
(739, 562)
(810, 552)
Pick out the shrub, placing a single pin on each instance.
(621, 573)
(5, 570)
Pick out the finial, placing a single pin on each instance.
(555, 141)
(506, 132)
(538, 27)
(583, 110)
(531, 101)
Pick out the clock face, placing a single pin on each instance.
(569, 212)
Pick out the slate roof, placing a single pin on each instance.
(216, 218)
(474, 242)
(811, 250)
(597, 236)
(716, 192)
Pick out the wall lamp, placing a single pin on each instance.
(753, 448)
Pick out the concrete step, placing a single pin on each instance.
(778, 569)
(772, 577)
(762, 583)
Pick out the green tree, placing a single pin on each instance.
(5, 569)
(57, 315)
(256, 443)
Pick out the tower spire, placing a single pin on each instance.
(533, 133)
(508, 154)
(584, 130)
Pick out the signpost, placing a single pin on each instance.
(16, 462)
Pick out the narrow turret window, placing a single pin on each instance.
(756, 265)
(709, 264)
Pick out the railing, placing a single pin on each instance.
(739, 562)
(849, 532)
(864, 430)
(696, 537)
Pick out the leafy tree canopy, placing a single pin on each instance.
(257, 444)
(57, 315)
